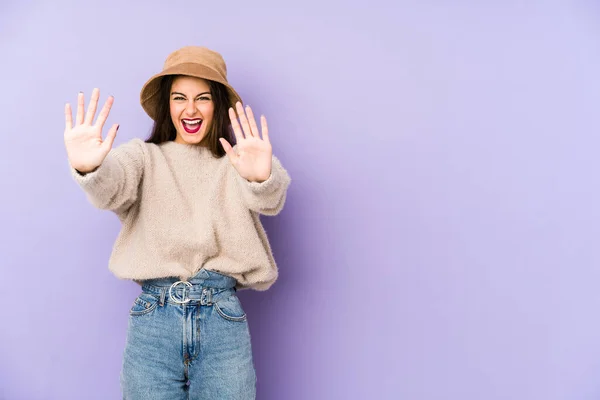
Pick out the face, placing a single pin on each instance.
(191, 108)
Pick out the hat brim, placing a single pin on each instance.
(149, 93)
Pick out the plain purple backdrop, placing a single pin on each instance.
(439, 240)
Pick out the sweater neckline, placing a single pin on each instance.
(186, 148)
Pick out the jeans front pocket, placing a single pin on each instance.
(231, 309)
(143, 304)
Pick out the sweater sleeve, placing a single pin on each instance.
(267, 197)
(114, 184)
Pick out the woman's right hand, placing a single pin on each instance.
(85, 148)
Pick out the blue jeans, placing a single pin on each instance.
(188, 340)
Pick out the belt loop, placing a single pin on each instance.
(206, 299)
(163, 293)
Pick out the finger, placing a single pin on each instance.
(105, 111)
(253, 126)
(265, 129)
(237, 131)
(110, 137)
(80, 109)
(68, 117)
(243, 119)
(89, 117)
(228, 149)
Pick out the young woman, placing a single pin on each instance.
(189, 204)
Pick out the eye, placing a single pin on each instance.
(204, 98)
(178, 98)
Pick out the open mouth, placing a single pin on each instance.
(191, 126)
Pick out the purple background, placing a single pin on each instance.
(440, 236)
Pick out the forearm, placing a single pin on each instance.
(267, 197)
(114, 184)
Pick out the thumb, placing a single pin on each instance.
(228, 149)
(110, 137)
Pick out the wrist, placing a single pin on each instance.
(83, 171)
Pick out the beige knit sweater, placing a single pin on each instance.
(182, 209)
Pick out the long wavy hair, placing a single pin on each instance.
(220, 127)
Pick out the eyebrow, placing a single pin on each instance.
(184, 94)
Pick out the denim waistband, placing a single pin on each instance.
(206, 287)
(204, 278)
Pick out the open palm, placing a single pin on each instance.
(83, 141)
(254, 154)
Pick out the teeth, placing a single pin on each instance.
(195, 122)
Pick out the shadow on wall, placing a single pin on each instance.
(270, 312)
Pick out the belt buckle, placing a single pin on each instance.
(176, 300)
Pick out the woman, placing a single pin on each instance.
(191, 234)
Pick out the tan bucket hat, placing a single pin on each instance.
(196, 61)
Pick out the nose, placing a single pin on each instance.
(190, 109)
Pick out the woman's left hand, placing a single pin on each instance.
(254, 154)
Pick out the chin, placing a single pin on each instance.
(190, 139)
(193, 140)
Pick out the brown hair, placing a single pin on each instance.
(220, 127)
